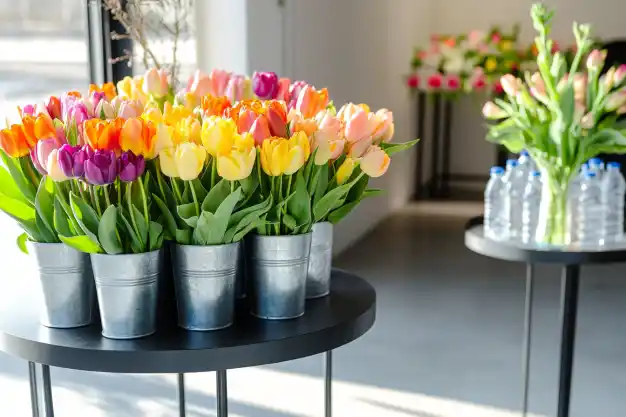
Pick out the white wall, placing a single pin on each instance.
(471, 154)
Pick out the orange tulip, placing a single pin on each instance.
(44, 127)
(260, 129)
(276, 117)
(13, 141)
(138, 136)
(103, 134)
(107, 88)
(311, 101)
(215, 106)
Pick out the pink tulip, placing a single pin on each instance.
(619, 75)
(493, 111)
(510, 84)
(130, 108)
(587, 121)
(385, 129)
(358, 149)
(475, 37)
(284, 85)
(496, 38)
(95, 98)
(294, 92)
(234, 88)
(155, 82)
(615, 100)
(413, 81)
(245, 121)
(434, 81)
(260, 130)
(360, 125)
(375, 162)
(27, 110)
(453, 82)
(580, 87)
(595, 60)
(219, 81)
(199, 84)
(538, 87)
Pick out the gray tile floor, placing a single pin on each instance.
(447, 343)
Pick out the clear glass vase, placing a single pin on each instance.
(553, 225)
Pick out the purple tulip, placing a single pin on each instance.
(265, 85)
(100, 167)
(294, 92)
(72, 161)
(130, 166)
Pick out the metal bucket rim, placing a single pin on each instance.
(222, 245)
(32, 242)
(282, 236)
(126, 255)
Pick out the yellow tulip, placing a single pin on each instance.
(345, 170)
(218, 135)
(173, 114)
(301, 140)
(244, 142)
(185, 161)
(236, 165)
(375, 162)
(185, 131)
(282, 156)
(132, 89)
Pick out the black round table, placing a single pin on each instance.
(571, 257)
(330, 322)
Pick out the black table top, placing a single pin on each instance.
(476, 240)
(345, 315)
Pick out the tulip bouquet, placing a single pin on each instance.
(563, 115)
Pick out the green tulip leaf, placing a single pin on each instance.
(391, 148)
(107, 232)
(330, 201)
(44, 203)
(216, 196)
(187, 212)
(256, 224)
(141, 225)
(46, 235)
(155, 236)
(85, 216)
(203, 234)
(289, 222)
(201, 192)
(309, 169)
(169, 220)
(299, 206)
(21, 242)
(242, 219)
(124, 224)
(16, 208)
(358, 189)
(10, 188)
(183, 236)
(26, 187)
(82, 243)
(61, 224)
(337, 215)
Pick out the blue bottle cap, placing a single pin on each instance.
(535, 174)
(613, 165)
(511, 163)
(496, 170)
(524, 152)
(590, 174)
(595, 161)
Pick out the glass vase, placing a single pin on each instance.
(553, 225)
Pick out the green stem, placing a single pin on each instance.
(106, 195)
(280, 198)
(81, 191)
(66, 206)
(144, 198)
(258, 165)
(160, 183)
(195, 199)
(232, 187)
(213, 171)
(130, 208)
(179, 196)
(94, 199)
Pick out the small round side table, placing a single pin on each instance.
(572, 259)
(330, 322)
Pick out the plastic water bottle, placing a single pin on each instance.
(515, 183)
(530, 207)
(572, 203)
(596, 165)
(613, 188)
(525, 165)
(495, 205)
(590, 212)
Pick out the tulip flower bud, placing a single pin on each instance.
(199, 84)
(413, 81)
(615, 100)
(510, 84)
(260, 129)
(283, 89)
(101, 167)
(294, 92)
(587, 121)
(185, 161)
(265, 85)
(606, 80)
(236, 165)
(345, 170)
(72, 161)
(155, 82)
(130, 166)
(595, 60)
(105, 110)
(538, 87)
(560, 87)
(493, 112)
(27, 110)
(619, 75)
(218, 135)
(54, 107)
(375, 162)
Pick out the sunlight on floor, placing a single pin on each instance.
(286, 394)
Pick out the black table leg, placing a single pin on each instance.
(421, 114)
(181, 396)
(528, 323)
(328, 384)
(569, 309)
(34, 396)
(47, 391)
(222, 395)
(447, 145)
(434, 167)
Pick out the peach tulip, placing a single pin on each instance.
(156, 83)
(375, 162)
(311, 101)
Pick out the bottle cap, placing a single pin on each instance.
(523, 152)
(535, 174)
(595, 162)
(496, 170)
(590, 174)
(511, 163)
(613, 165)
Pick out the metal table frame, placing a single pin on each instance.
(571, 260)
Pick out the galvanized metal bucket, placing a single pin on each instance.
(277, 267)
(240, 280)
(66, 285)
(320, 260)
(204, 277)
(127, 288)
